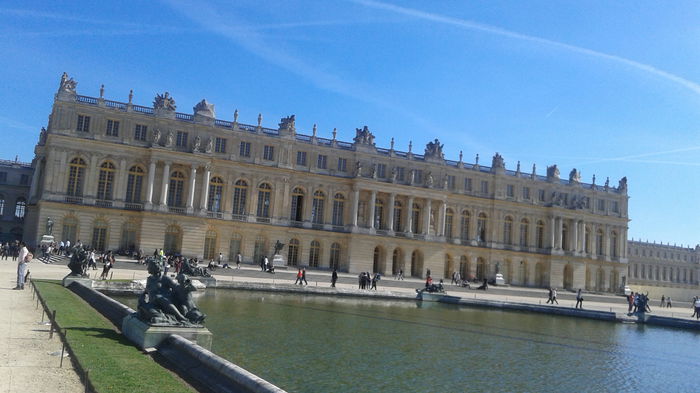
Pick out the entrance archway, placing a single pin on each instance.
(378, 265)
(396, 261)
(449, 266)
(416, 264)
(539, 274)
(568, 276)
(481, 269)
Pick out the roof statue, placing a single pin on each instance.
(574, 176)
(164, 101)
(169, 139)
(498, 162)
(67, 84)
(553, 172)
(288, 123)
(203, 108)
(622, 185)
(434, 150)
(363, 136)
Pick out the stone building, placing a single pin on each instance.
(15, 179)
(663, 269)
(119, 175)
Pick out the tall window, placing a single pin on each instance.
(314, 253)
(510, 191)
(587, 241)
(134, 183)
(76, 174)
(220, 145)
(264, 192)
(464, 226)
(99, 235)
(484, 187)
(508, 230)
(318, 207)
(268, 153)
(296, 213)
(539, 234)
(173, 239)
(244, 150)
(106, 181)
(259, 249)
(338, 209)
(20, 207)
(449, 220)
(381, 171)
(415, 218)
(564, 237)
(293, 252)
(112, 128)
(342, 164)
(526, 193)
(140, 132)
(378, 214)
(613, 244)
(301, 158)
(210, 245)
(240, 192)
(334, 262)
(467, 184)
(216, 188)
(398, 209)
(322, 162)
(128, 236)
(524, 230)
(400, 173)
(599, 243)
(175, 190)
(83, 123)
(234, 246)
(181, 140)
(2, 205)
(481, 227)
(70, 229)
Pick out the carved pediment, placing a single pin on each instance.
(164, 102)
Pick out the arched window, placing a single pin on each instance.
(378, 214)
(524, 232)
(264, 192)
(129, 230)
(449, 221)
(398, 211)
(613, 244)
(293, 252)
(105, 181)
(599, 242)
(334, 262)
(565, 237)
(20, 207)
(70, 229)
(240, 194)
(314, 253)
(338, 209)
(415, 218)
(296, 213)
(216, 190)
(134, 184)
(234, 247)
(396, 261)
(539, 234)
(481, 227)
(173, 240)
(210, 245)
(175, 190)
(318, 207)
(2, 205)
(99, 235)
(259, 249)
(508, 230)
(76, 175)
(464, 226)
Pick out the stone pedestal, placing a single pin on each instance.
(499, 279)
(146, 336)
(67, 280)
(46, 239)
(278, 262)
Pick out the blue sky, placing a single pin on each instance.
(609, 88)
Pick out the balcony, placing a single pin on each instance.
(133, 206)
(239, 217)
(176, 209)
(213, 214)
(76, 200)
(103, 203)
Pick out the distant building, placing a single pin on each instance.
(663, 269)
(123, 176)
(15, 179)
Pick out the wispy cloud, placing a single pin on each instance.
(471, 25)
(637, 157)
(11, 123)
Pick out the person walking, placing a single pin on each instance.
(401, 274)
(692, 305)
(23, 259)
(298, 281)
(549, 296)
(554, 296)
(663, 301)
(266, 262)
(239, 259)
(376, 278)
(262, 264)
(697, 308)
(668, 302)
(334, 278)
(579, 299)
(303, 276)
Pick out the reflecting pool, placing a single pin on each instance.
(323, 344)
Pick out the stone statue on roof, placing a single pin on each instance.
(622, 185)
(434, 150)
(203, 108)
(288, 123)
(164, 101)
(67, 84)
(574, 176)
(363, 136)
(553, 172)
(498, 162)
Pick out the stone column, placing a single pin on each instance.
(226, 198)
(426, 216)
(560, 232)
(472, 266)
(93, 171)
(308, 205)
(120, 181)
(574, 236)
(355, 206)
(191, 188)
(252, 206)
(606, 243)
(441, 219)
(164, 184)
(205, 188)
(552, 231)
(151, 180)
(372, 206)
(594, 241)
(409, 215)
(390, 216)
(582, 237)
(328, 208)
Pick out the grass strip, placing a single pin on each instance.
(115, 364)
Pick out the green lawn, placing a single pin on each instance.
(115, 365)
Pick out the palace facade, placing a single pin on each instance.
(117, 175)
(15, 178)
(664, 269)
